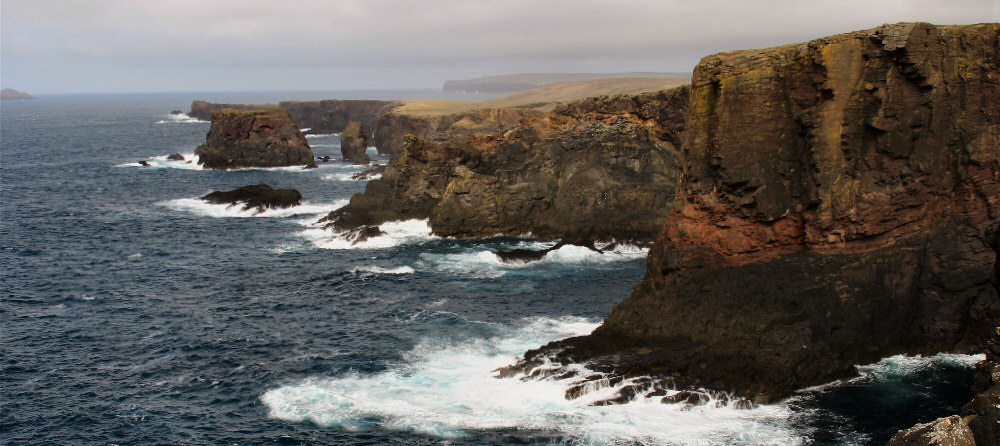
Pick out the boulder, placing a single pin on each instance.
(354, 142)
(176, 157)
(259, 196)
(253, 138)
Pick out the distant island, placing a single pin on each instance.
(9, 94)
(511, 83)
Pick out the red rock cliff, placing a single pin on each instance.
(838, 203)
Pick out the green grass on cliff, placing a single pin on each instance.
(543, 98)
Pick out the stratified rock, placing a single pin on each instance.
(595, 169)
(949, 431)
(8, 94)
(260, 196)
(839, 204)
(176, 157)
(354, 142)
(253, 138)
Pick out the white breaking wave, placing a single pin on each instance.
(448, 389)
(180, 119)
(486, 264)
(396, 233)
(203, 208)
(379, 270)
(190, 162)
(897, 366)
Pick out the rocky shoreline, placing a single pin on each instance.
(814, 206)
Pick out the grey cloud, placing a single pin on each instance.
(69, 46)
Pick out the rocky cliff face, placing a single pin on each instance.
(332, 116)
(354, 142)
(838, 203)
(599, 168)
(253, 138)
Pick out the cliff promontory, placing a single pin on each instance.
(838, 203)
(599, 168)
(264, 137)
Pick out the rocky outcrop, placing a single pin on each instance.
(354, 143)
(838, 203)
(599, 168)
(203, 110)
(9, 94)
(333, 115)
(257, 196)
(253, 138)
(949, 431)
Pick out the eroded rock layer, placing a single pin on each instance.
(599, 168)
(838, 203)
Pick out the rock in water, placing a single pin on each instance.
(354, 142)
(176, 157)
(839, 203)
(260, 196)
(253, 138)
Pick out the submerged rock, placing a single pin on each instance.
(369, 174)
(362, 234)
(260, 196)
(253, 138)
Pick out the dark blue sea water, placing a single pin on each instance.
(132, 313)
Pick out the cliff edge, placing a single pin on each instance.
(838, 203)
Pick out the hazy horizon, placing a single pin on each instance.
(67, 47)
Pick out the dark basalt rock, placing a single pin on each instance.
(354, 142)
(253, 138)
(177, 112)
(260, 196)
(176, 157)
(144, 163)
(362, 234)
(839, 204)
(311, 165)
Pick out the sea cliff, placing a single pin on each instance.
(837, 203)
(595, 169)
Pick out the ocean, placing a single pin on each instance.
(134, 313)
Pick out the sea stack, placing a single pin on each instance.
(839, 203)
(264, 137)
(354, 142)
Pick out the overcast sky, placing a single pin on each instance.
(81, 46)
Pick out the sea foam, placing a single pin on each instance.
(396, 233)
(180, 119)
(203, 208)
(448, 389)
